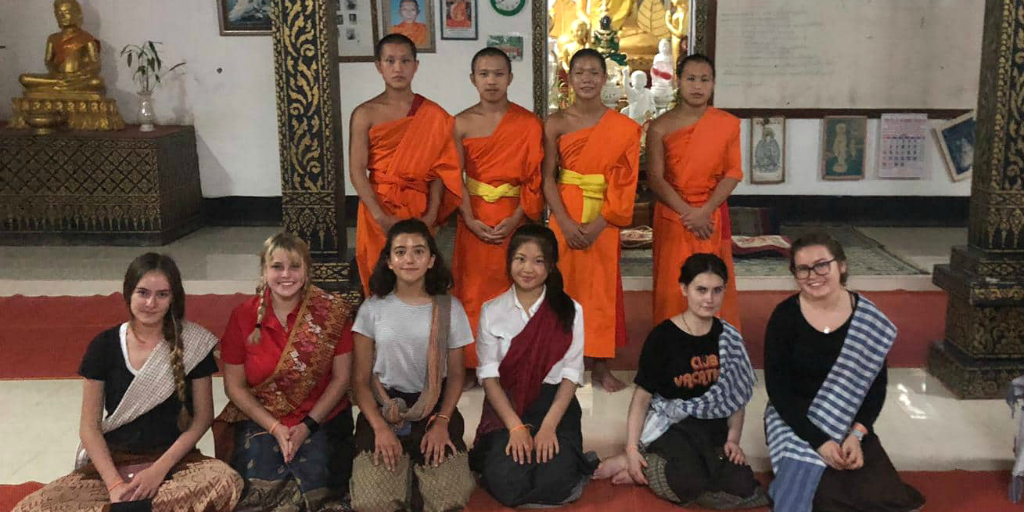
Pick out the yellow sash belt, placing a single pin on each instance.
(593, 187)
(490, 193)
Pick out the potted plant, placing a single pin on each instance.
(147, 70)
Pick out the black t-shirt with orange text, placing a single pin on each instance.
(675, 364)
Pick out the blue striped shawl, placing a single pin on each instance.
(731, 393)
(797, 466)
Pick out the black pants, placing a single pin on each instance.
(550, 483)
(696, 463)
(875, 487)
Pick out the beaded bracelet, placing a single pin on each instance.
(438, 415)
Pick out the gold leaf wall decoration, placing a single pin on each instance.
(650, 16)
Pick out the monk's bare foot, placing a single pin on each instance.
(623, 478)
(610, 467)
(602, 376)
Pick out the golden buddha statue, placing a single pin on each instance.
(72, 90)
(679, 26)
(570, 43)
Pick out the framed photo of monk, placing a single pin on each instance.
(414, 19)
(459, 20)
(767, 150)
(244, 17)
(358, 30)
(842, 147)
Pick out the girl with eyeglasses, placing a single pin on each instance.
(825, 370)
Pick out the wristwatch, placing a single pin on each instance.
(311, 424)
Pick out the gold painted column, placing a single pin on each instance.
(984, 343)
(309, 134)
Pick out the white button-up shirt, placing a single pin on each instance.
(503, 318)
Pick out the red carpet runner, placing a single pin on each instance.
(946, 491)
(45, 337)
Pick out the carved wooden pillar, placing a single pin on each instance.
(984, 343)
(309, 134)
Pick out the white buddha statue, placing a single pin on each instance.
(663, 75)
(641, 100)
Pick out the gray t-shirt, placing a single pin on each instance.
(401, 333)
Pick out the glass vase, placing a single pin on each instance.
(146, 114)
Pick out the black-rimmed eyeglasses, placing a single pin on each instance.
(821, 268)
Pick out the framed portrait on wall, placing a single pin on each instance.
(358, 30)
(412, 18)
(842, 147)
(244, 17)
(956, 141)
(768, 150)
(459, 19)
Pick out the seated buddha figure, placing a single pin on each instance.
(72, 57)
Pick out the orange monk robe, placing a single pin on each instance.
(405, 156)
(697, 158)
(414, 30)
(610, 149)
(511, 155)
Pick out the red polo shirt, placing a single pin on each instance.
(261, 359)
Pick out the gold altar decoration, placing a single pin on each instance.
(71, 92)
(637, 24)
(678, 24)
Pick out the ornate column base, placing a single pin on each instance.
(339, 277)
(984, 345)
(971, 378)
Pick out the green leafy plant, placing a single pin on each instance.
(148, 68)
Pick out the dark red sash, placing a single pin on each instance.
(532, 353)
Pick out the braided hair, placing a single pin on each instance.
(555, 294)
(172, 322)
(283, 241)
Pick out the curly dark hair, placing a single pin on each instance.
(438, 279)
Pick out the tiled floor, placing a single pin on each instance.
(922, 426)
(223, 260)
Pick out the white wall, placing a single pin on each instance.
(226, 88)
(227, 91)
(803, 174)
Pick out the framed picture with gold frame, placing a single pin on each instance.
(244, 17)
(412, 18)
(842, 147)
(358, 30)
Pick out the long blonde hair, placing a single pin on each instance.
(287, 242)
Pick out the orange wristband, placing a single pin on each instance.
(274, 426)
(115, 486)
(521, 426)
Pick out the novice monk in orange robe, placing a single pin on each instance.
(409, 10)
(591, 160)
(502, 152)
(404, 142)
(693, 154)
